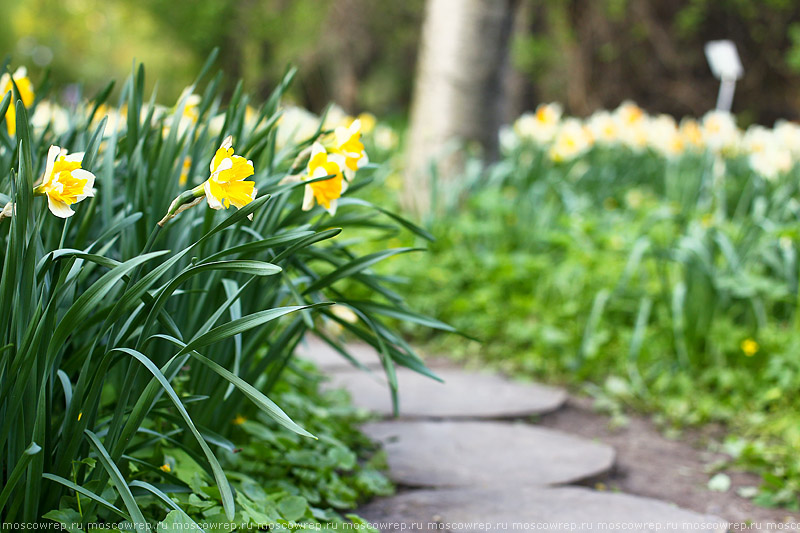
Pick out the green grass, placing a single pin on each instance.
(635, 279)
(278, 476)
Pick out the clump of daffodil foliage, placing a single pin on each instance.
(160, 266)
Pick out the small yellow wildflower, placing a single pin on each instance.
(25, 87)
(187, 165)
(749, 347)
(227, 183)
(239, 420)
(325, 192)
(165, 468)
(64, 181)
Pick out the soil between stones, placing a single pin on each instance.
(649, 464)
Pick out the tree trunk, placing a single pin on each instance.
(348, 45)
(519, 87)
(458, 94)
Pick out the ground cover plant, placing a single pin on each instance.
(160, 265)
(652, 262)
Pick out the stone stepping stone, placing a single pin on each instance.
(327, 359)
(570, 509)
(462, 395)
(486, 454)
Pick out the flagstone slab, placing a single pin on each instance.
(328, 359)
(486, 454)
(570, 509)
(462, 395)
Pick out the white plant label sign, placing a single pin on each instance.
(724, 60)
(727, 67)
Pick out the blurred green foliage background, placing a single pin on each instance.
(356, 52)
(361, 53)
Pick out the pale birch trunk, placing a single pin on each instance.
(458, 93)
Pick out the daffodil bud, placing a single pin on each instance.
(8, 210)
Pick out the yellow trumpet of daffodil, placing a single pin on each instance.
(324, 192)
(347, 142)
(25, 87)
(64, 181)
(227, 184)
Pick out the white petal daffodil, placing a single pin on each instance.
(64, 181)
(324, 192)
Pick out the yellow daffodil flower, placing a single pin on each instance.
(629, 113)
(749, 347)
(548, 114)
(572, 140)
(25, 87)
(325, 192)
(691, 133)
(64, 181)
(347, 142)
(540, 126)
(187, 165)
(191, 109)
(368, 122)
(227, 183)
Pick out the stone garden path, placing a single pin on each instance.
(466, 458)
